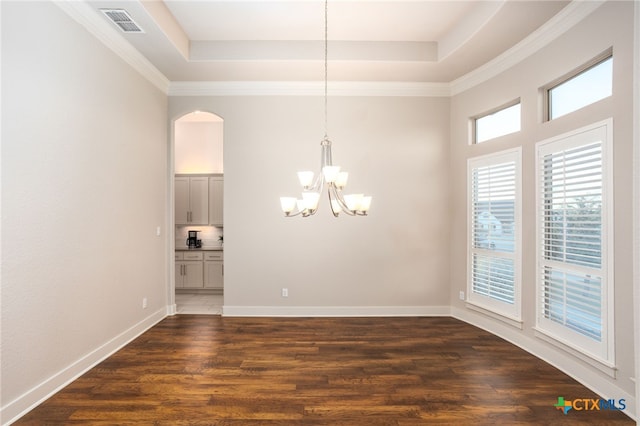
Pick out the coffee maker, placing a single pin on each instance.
(193, 241)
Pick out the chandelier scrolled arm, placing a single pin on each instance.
(313, 185)
(330, 175)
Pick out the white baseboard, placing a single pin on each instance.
(579, 371)
(38, 394)
(335, 311)
(172, 309)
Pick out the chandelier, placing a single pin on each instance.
(330, 176)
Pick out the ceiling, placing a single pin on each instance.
(369, 40)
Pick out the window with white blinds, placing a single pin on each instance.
(573, 213)
(494, 237)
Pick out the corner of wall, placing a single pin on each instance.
(38, 394)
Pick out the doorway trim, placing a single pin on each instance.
(172, 308)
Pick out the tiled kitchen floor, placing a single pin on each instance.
(209, 304)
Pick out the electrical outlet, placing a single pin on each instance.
(462, 295)
(157, 231)
(144, 303)
(285, 292)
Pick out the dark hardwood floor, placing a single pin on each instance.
(209, 370)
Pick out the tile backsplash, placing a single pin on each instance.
(208, 234)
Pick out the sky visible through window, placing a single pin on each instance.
(582, 90)
(585, 88)
(499, 123)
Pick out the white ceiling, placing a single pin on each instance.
(369, 40)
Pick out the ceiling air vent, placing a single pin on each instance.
(121, 18)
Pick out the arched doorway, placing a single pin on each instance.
(198, 227)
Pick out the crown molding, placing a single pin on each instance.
(307, 88)
(572, 14)
(568, 17)
(82, 13)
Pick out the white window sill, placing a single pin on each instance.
(604, 366)
(512, 321)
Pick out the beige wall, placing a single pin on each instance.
(394, 261)
(636, 220)
(198, 147)
(85, 181)
(611, 25)
(84, 168)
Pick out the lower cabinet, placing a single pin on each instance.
(199, 269)
(189, 275)
(213, 270)
(189, 271)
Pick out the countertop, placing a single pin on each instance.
(185, 248)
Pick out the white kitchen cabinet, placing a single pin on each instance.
(216, 188)
(200, 269)
(191, 200)
(193, 275)
(181, 190)
(213, 270)
(189, 270)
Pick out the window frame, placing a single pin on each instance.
(546, 95)
(511, 314)
(603, 352)
(473, 122)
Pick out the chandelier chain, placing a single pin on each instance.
(330, 176)
(326, 73)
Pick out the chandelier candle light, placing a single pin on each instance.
(330, 175)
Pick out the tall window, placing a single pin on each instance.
(494, 237)
(574, 203)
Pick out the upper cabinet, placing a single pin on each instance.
(192, 200)
(198, 200)
(216, 185)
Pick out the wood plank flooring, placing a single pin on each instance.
(209, 370)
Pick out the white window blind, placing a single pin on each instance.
(572, 199)
(573, 205)
(494, 217)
